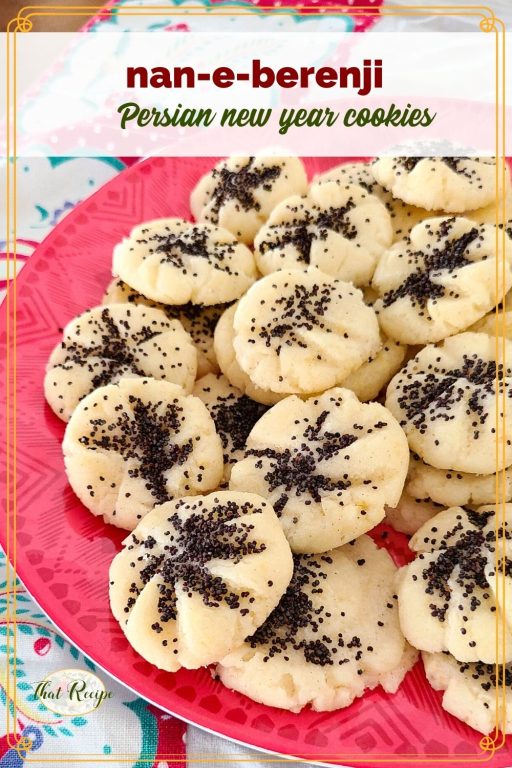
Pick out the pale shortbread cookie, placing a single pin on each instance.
(355, 173)
(500, 209)
(302, 332)
(176, 262)
(506, 303)
(131, 445)
(403, 216)
(441, 280)
(328, 465)
(370, 378)
(228, 364)
(455, 489)
(240, 192)
(106, 344)
(447, 402)
(197, 576)
(339, 228)
(470, 690)
(334, 634)
(367, 381)
(451, 184)
(411, 513)
(234, 415)
(373, 375)
(197, 320)
(499, 323)
(449, 596)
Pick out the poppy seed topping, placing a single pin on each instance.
(240, 184)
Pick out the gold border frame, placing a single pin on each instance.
(23, 23)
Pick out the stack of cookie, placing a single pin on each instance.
(439, 280)
(260, 386)
(452, 607)
(447, 399)
(415, 189)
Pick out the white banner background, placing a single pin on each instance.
(74, 112)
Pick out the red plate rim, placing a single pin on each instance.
(188, 711)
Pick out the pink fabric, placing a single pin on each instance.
(361, 22)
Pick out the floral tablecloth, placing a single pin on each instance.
(126, 725)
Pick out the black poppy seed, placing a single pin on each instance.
(308, 226)
(234, 418)
(465, 561)
(419, 286)
(144, 436)
(222, 534)
(240, 184)
(432, 397)
(295, 611)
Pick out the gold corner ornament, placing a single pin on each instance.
(22, 23)
(488, 23)
(488, 744)
(23, 746)
(493, 742)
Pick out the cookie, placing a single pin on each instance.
(240, 192)
(499, 209)
(403, 216)
(448, 596)
(451, 184)
(333, 635)
(470, 690)
(371, 377)
(339, 228)
(141, 442)
(440, 281)
(411, 512)
(234, 415)
(225, 355)
(358, 173)
(197, 320)
(455, 489)
(197, 576)
(447, 402)
(328, 465)
(302, 332)
(495, 323)
(106, 344)
(368, 381)
(506, 303)
(175, 262)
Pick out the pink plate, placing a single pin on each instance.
(63, 552)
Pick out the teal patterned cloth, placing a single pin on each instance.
(123, 725)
